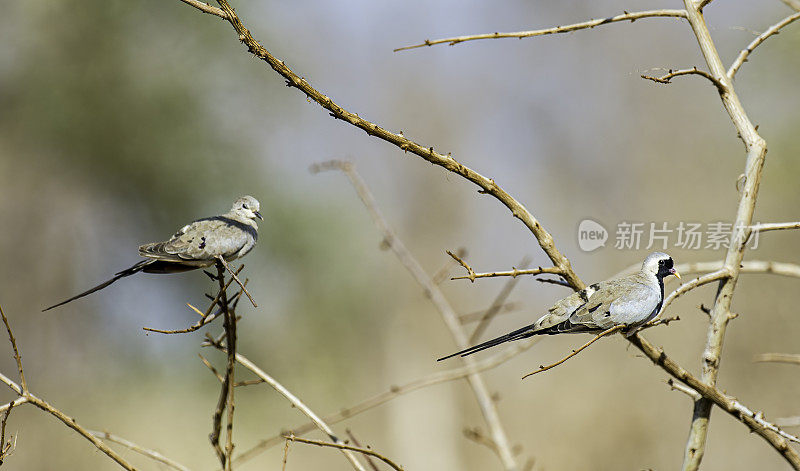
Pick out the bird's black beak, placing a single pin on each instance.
(258, 215)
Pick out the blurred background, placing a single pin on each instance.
(121, 121)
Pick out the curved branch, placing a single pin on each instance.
(558, 29)
(341, 446)
(445, 161)
(771, 31)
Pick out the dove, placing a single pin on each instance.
(196, 245)
(630, 301)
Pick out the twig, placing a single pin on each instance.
(667, 78)
(285, 455)
(233, 274)
(775, 226)
(438, 299)
(771, 31)
(575, 352)
(394, 392)
(472, 276)
(675, 386)
(17, 357)
(445, 161)
(211, 367)
(152, 454)
(558, 29)
(690, 285)
(498, 302)
(792, 358)
(342, 446)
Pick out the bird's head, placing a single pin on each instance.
(660, 265)
(248, 207)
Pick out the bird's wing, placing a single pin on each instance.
(200, 242)
(626, 301)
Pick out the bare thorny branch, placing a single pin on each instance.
(720, 315)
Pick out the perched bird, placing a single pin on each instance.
(631, 301)
(196, 245)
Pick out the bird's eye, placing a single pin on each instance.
(244, 206)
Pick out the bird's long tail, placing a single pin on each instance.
(128, 272)
(518, 334)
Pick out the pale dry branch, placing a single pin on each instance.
(675, 386)
(791, 270)
(445, 161)
(392, 393)
(594, 339)
(745, 53)
(152, 454)
(756, 149)
(792, 358)
(295, 401)
(342, 446)
(434, 293)
(690, 285)
(667, 78)
(775, 226)
(558, 29)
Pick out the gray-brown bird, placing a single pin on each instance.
(196, 245)
(631, 301)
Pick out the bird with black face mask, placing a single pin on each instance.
(630, 301)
